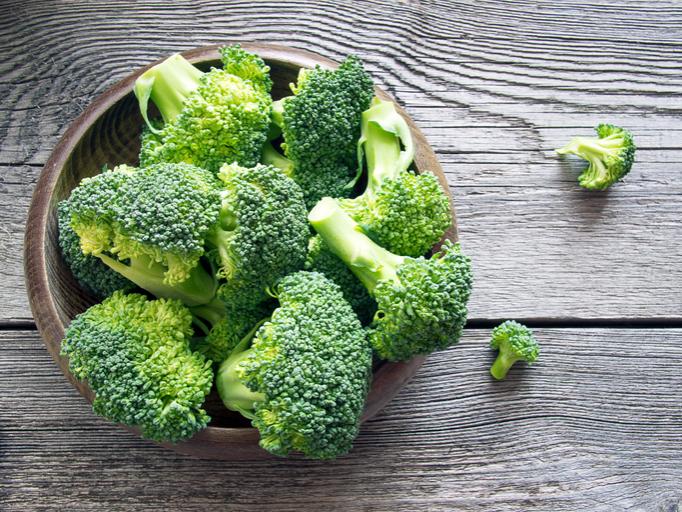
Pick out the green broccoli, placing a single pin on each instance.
(610, 156)
(135, 355)
(320, 125)
(149, 225)
(91, 273)
(321, 260)
(421, 303)
(515, 343)
(212, 118)
(404, 212)
(262, 233)
(302, 376)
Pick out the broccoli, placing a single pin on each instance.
(321, 260)
(515, 343)
(610, 156)
(91, 273)
(212, 118)
(404, 212)
(421, 303)
(262, 233)
(135, 355)
(302, 376)
(149, 225)
(320, 125)
(227, 327)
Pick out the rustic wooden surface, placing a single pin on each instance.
(495, 86)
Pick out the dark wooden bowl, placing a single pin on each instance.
(108, 133)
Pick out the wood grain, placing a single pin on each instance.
(594, 425)
(492, 102)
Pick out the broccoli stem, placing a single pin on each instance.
(386, 143)
(232, 391)
(270, 156)
(198, 289)
(278, 113)
(502, 364)
(168, 84)
(213, 312)
(370, 262)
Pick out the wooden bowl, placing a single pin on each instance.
(108, 133)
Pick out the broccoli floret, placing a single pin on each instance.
(320, 125)
(610, 156)
(401, 211)
(421, 303)
(135, 355)
(515, 343)
(321, 259)
(262, 234)
(229, 328)
(212, 118)
(149, 225)
(93, 275)
(302, 377)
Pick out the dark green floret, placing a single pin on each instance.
(135, 355)
(149, 225)
(404, 212)
(262, 233)
(221, 116)
(321, 259)
(421, 303)
(515, 343)
(302, 377)
(90, 272)
(320, 125)
(610, 156)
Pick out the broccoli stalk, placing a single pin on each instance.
(421, 304)
(610, 156)
(515, 343)
(168, 85)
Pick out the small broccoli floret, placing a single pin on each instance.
(91, 273)
(149, 225)
(321, 259)
(610, 156)
(320, 124)
(262, 233)
(421, 304)
(515, 343)
(303, 376)
(212, 118)
(135, 355)
(403, 212)
(229, 328)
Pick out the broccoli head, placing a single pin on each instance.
(302, 376)
(421, 303)
(209, 119)
(610, 156)
(515, 343)
(321, 259)
(404, 212)
(262, 232)
(90, 272)
(149, 225)
(135, 355)
(320, 125)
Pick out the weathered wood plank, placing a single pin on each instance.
(594, 425)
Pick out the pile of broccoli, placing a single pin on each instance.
(240, 255)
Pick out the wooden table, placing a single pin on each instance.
(595, 425)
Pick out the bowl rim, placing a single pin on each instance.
(212, 442)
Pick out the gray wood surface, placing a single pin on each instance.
(596, 425)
